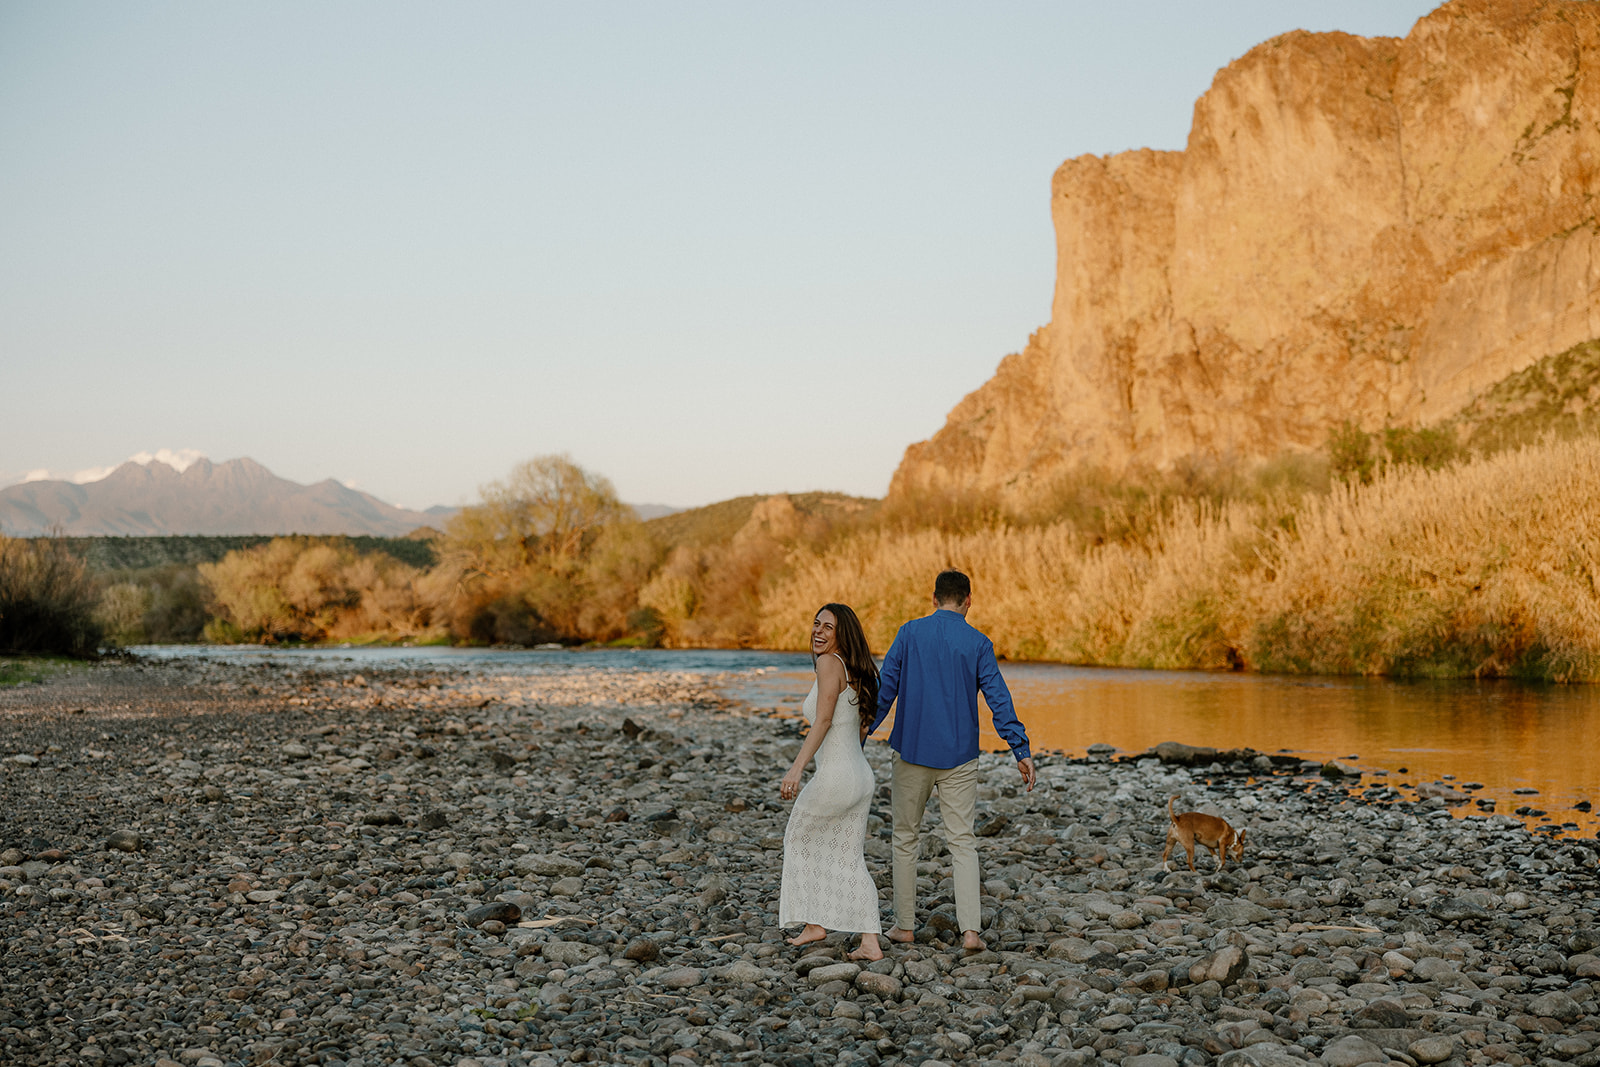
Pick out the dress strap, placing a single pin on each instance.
(847, 683)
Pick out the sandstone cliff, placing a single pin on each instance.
(1369, 229)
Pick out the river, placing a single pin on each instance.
(1532, 749)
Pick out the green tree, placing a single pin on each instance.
(47, 599)
(513, 567)
(543, 515)
(1351, 456)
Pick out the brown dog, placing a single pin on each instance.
(1195, 828)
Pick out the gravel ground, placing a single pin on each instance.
(213, 864)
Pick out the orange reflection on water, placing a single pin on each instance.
(1504, 735)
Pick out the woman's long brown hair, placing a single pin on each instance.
(860, 671)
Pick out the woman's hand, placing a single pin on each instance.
(789, 788)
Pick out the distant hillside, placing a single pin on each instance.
(112, 554)
(239, 496)
(1557, 396)
(716, 524)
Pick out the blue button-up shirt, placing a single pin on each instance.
(936, 667)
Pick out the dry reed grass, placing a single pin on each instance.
(1490, 568)
(887, 577)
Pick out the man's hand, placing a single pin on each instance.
(1025, 768)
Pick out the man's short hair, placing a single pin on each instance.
(951, 587)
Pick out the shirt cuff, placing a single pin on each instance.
(1021, 752)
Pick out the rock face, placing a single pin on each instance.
(1371, 229)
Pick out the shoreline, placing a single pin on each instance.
(312, 850)
(625, 646)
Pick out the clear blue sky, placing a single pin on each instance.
(708, 249)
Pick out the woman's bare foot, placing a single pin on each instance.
(971, 942)
(811, 932)
(869, 950)
(904, 937)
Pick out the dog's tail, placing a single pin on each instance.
(1172, 816)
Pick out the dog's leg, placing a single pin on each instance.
(1171, 840)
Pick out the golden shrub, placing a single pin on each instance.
(312, 589)
(1490, 568)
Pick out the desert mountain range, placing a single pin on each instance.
(1364, 229)
(239, 496)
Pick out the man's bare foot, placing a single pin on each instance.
(869, 950)
(971, 942)
(811, 932)
(904, 937)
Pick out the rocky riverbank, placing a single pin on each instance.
(217, 864)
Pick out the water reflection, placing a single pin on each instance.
(1502, 735)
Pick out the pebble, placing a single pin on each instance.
(570, 953)
(1352, 1051)
(682, 977)
(834, 972)
(125, 841)
(885, 986)
(501, 911)
(1433, 1049)
(1224, 966)
(369, 884)
(1556, 1005)
(642, 950)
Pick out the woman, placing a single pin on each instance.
(825, 879)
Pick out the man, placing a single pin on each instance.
(936, 667)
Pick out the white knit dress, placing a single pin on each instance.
(825, 879)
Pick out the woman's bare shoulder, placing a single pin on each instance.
(830, 668)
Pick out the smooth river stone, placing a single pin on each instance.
(834, 972)
(125, 841)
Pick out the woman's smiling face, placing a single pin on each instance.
(823, 638)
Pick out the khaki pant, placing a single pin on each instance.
(958, 802)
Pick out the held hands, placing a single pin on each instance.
(789, 788)
(1025, 768)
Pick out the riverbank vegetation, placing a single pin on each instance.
(1489, 568)
(1467, 548)
(1461, 549)
(47, 599)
